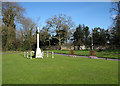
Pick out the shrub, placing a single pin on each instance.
(72, 52)
(92, 52)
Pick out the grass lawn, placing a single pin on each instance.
(105, 53)
(61, 70)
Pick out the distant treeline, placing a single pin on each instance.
(19, 32)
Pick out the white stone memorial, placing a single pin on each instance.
(24, 54)
(30, 55)
(52, 54)
(27, 54)
(38, 51)
(43, 53)
(47, 53)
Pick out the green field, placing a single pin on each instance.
(105, 53)
(61, 70)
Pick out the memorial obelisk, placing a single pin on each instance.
(38, 51)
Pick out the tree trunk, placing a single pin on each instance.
(59, 43)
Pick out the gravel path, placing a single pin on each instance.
(93, 57)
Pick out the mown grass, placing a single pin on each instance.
(106, 53)
(61, 70)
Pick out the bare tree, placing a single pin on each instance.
(59, 25)
(12, 13)
(28, 34)
(115, 31)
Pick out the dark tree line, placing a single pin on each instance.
(19, 32)
(82, 36)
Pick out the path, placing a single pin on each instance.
(93, 57)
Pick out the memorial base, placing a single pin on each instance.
(38, 53)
